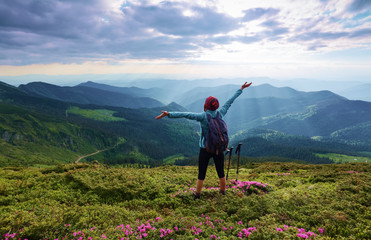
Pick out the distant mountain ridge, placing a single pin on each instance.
(89, 95)
(132, 91)
(224, 92)
(262, 106)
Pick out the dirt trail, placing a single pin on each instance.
(91, 154)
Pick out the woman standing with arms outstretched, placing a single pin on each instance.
(210, 107)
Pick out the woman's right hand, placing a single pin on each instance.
(245, 85)
(163, 114)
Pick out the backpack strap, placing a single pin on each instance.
(219, 131)
(217, 125)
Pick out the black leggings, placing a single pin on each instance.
(203, 161)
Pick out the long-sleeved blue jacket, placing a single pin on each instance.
(202, 117)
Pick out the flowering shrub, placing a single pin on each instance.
(301, 232)
(355, 172)
(248, 187)
(144, 230)
(98, 202)
(234, 186)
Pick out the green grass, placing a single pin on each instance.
(95, 114)
(340, 158)
(171, 159)
(29, 154)
(93, 200)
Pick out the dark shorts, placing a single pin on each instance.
(203, 162)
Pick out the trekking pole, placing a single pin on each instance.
(238, 150)
(230, 156)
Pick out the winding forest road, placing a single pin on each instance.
(91, 154)
(102, 150)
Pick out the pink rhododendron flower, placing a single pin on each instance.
(302, 235)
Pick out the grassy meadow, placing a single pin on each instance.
(341, 158)
(268, 201)
(104, 115)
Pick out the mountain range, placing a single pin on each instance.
(87, 95)
(49, 131)
(91, 117)
(284, 109)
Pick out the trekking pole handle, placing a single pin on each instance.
(227, 151)
(238, 149)
(231, 151)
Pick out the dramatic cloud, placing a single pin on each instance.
(179, 31)
(170, 19)
(80, 29)
(359, 5)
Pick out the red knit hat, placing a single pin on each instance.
(211, 103)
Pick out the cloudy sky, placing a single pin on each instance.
(282, 39)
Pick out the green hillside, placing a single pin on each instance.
(356, 135)
(29, 138)
(321, 119)
(341, 158)
(270, 201)
(149, 140)
(95, 114)
(57, 124)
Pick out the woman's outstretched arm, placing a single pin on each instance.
(188, 115)
(229, 102)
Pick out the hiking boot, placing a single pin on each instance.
(196, 196)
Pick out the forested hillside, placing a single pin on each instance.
(50, 127)
(150, 140)
(29, 138)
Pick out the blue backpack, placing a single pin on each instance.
(217, 137)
